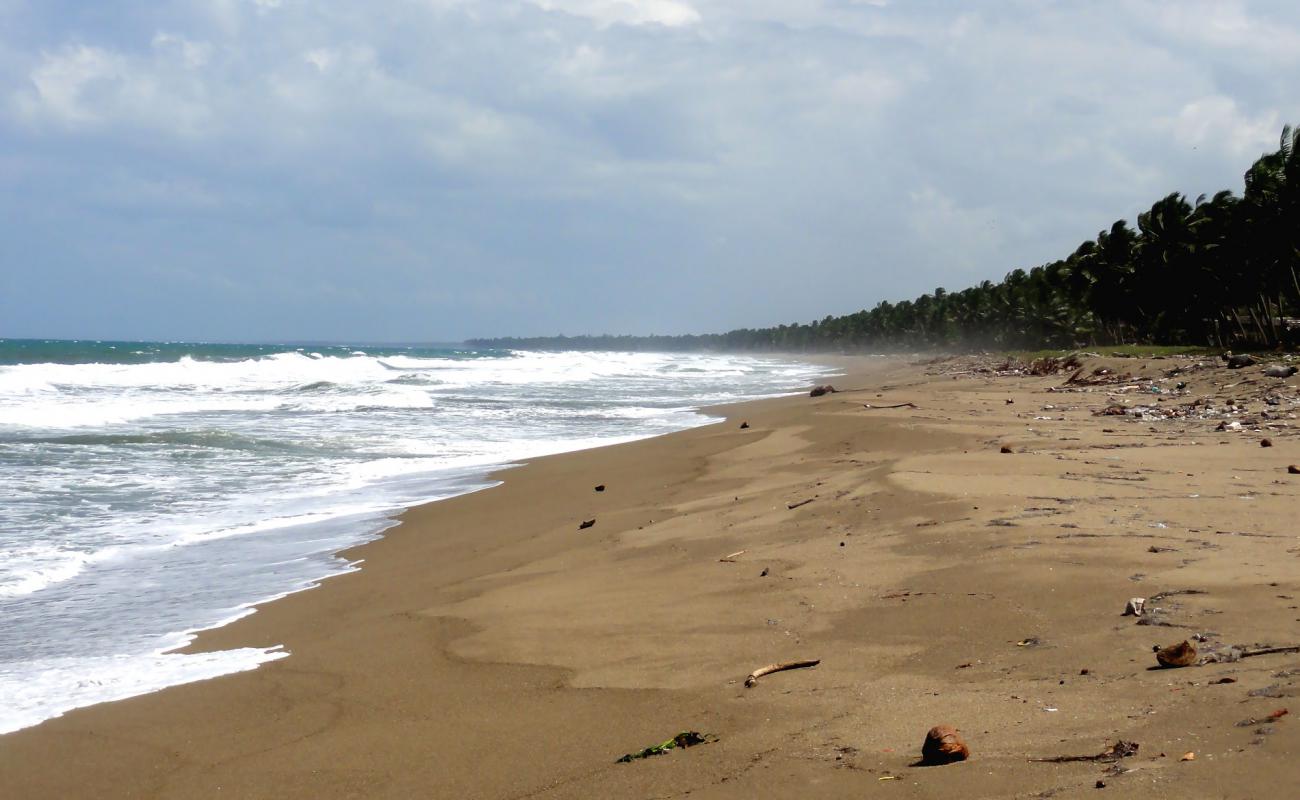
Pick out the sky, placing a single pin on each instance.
(431, 170)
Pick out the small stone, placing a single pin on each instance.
(943, 746)
(1188, 756)
(744, 425)
(585, 524)
(1294, 469)
(1007, 449)
(763, 574)
(600, 488)
(1265, 442)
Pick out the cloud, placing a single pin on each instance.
(631, 12)
(1216, 121)
(622, 166)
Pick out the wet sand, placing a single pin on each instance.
(488, 648)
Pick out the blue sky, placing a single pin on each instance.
(418, 170)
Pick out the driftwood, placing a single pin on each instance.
(784, 665)
(1158, 596)
(897, 405)
(732, 556)
(800, 503)
(1268, 651)
(1115, 752)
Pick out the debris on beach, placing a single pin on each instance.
(798, 503)
(585, 524)
(680, 741)
(1121, 749)
(1135, 606)
(1293, 469)
(1280, 370)
(732, 556)
(1188, 756)
(1265, 442)
(753, 677)
(1007, 449)
(600, 487)
(895, 405)
(818, 391)
(744, 425)
(1182, 654)
(1239, 361)
(943, 746)
(1273, 717)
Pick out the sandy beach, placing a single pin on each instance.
(490, 648)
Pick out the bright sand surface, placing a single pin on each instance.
(488, 648)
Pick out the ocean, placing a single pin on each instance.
(153, 490)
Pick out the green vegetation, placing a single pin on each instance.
(1219, 272)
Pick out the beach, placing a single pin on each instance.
(489, 647)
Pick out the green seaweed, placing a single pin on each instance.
(683, 739)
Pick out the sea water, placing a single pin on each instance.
(153, 490)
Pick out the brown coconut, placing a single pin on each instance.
(943, 746)
(1182, 654)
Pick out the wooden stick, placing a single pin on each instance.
(1292, 648)
(899, 405)
(784, 665)
(732, 556)
(800, 503)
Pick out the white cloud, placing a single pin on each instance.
(192, 55)
(890, 147)
(1216, 121)
(630, 12)
(81, 87)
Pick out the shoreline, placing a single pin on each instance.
(365, 529)
(489, 648)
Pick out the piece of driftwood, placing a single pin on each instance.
(781, 667)
(1158, 596)
(896, 405)
(732, 556)
(585, 524)
(800, 503)
(1268, 651)
(1115, 752)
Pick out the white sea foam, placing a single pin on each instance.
(148, 498)
(43, 689)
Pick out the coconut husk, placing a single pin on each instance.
(943, 745)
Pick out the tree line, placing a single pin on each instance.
(1220, 271)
